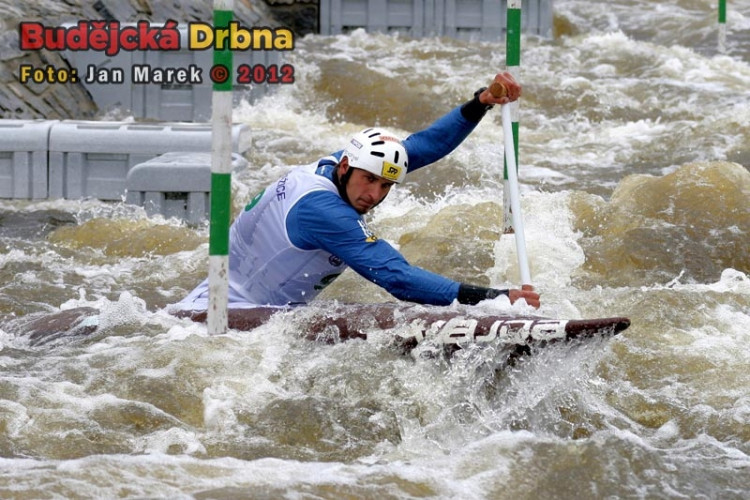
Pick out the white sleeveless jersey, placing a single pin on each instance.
(265, 268)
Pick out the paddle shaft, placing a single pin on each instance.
(515, 196)
(497, 89)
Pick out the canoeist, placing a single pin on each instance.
(299, 234)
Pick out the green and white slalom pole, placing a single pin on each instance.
(221, 177)
(513, 64)
(722, 26)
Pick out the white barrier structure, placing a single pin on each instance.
(92, 159)
(175, 184)
(164, 167)
(462, 19)
(24, 148)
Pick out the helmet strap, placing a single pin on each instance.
(342, 181)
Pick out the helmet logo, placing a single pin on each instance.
(356, 144)
(390, 171)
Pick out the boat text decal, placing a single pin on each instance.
(465, 330)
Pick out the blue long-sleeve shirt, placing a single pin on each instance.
(341, 234)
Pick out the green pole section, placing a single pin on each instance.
(513, 64)
(722, 26)
(221, 175)
(221, 190)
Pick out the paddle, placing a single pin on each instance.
(499, 90)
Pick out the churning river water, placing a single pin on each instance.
(634, 156)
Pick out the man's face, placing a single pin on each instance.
(365, 190)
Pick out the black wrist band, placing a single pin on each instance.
(474, 110)
(471, 294)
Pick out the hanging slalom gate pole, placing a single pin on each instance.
(221, 177)
(722, 26)
(513, 64)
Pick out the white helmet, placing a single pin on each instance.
(378, 152)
